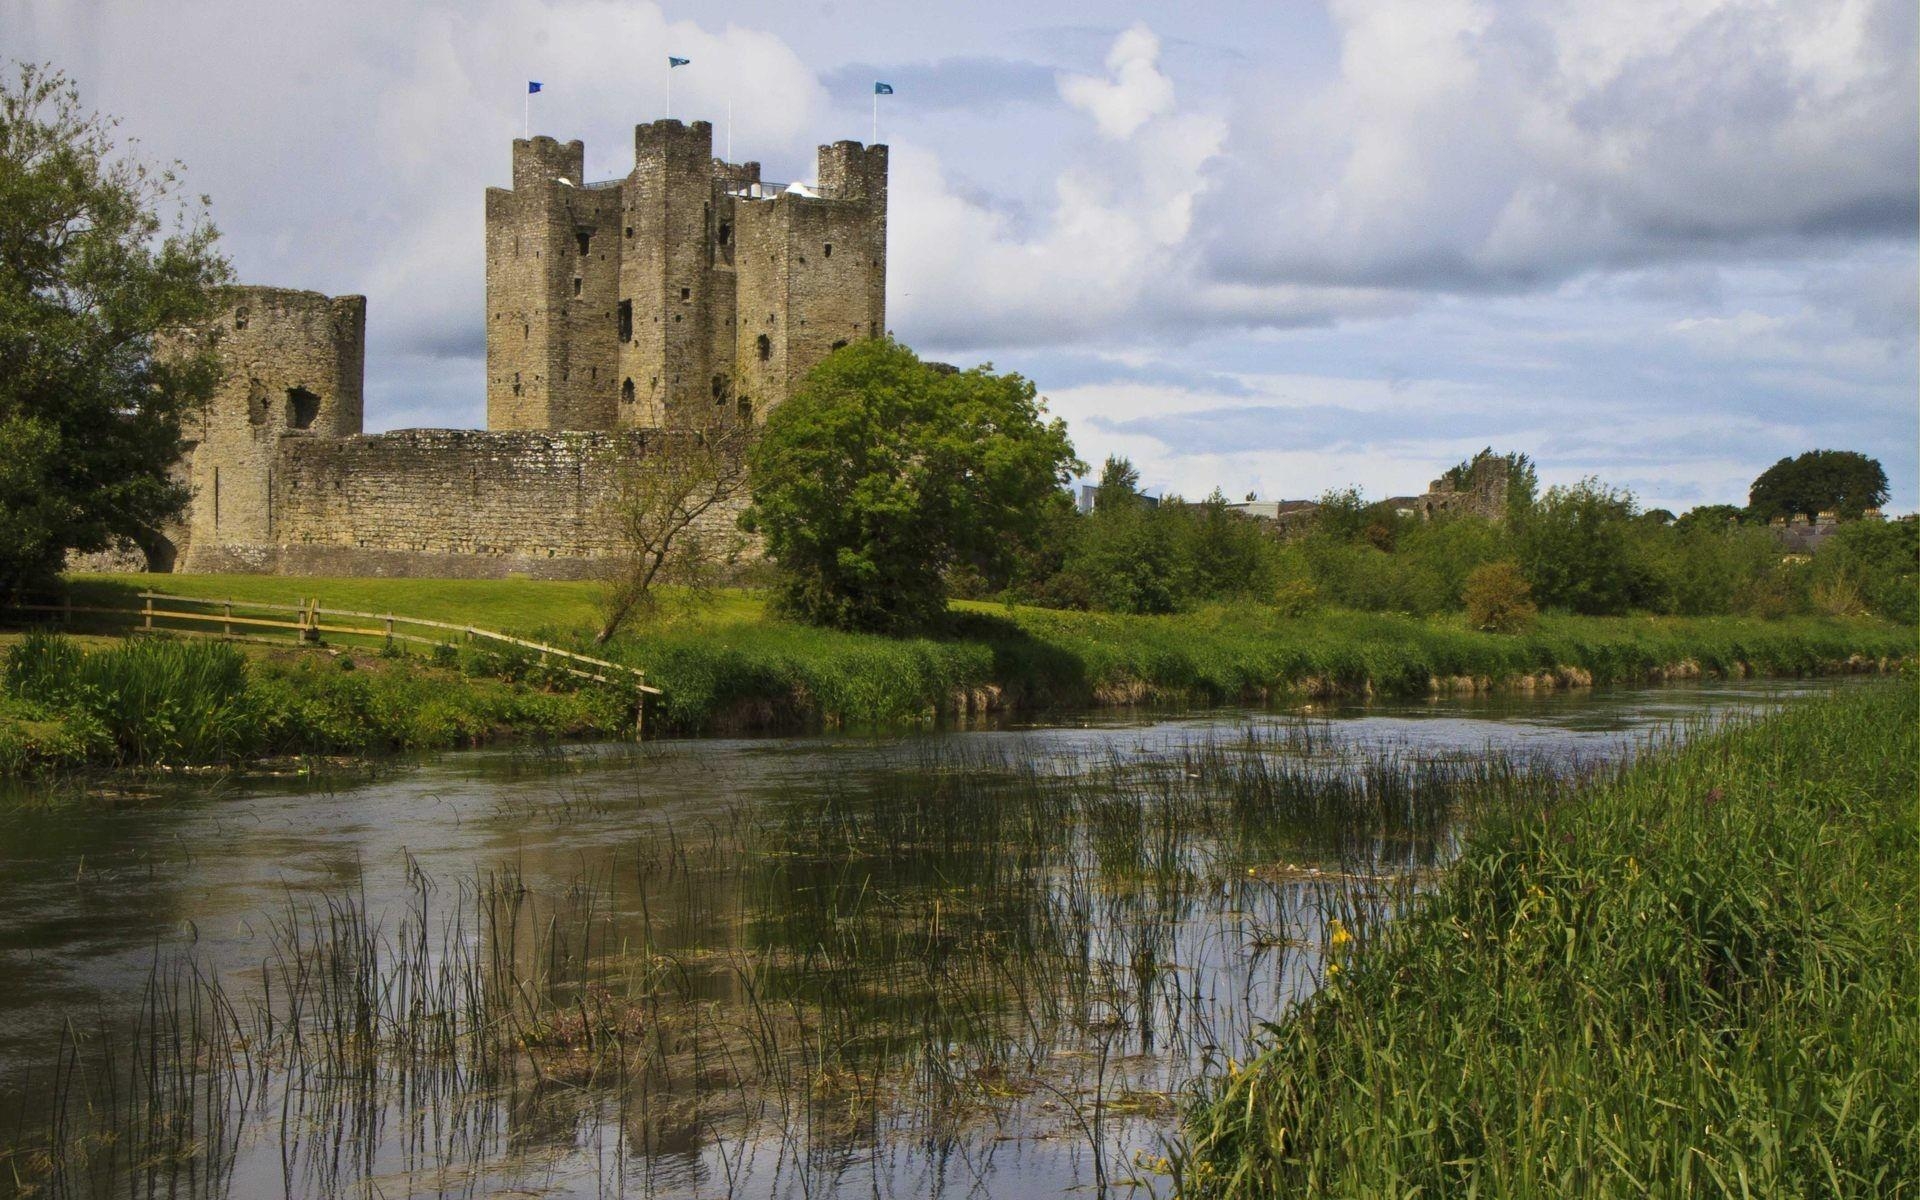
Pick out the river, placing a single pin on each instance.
(968, 962)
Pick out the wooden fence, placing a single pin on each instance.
(308, 623)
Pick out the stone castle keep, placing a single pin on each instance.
(618, 314)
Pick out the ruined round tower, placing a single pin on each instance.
(294, 363)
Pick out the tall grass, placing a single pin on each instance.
(153, 701)
(1694, 979)
(773, 674)
(157, 701)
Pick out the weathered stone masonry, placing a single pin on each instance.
(687, 292)
(619, 315)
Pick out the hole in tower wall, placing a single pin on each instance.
(827, 251)
(764, 345)
(720, 389)
(626, 320)
(302, 408)
(725, 236)
(839, 345)
(240, 318)
(626, 392)
(576, 285)
(584, 240)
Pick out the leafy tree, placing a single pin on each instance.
(1119, 484)
(1230, 555)
(1715, 516)
(1578, 553)
(1877, 560)
(1838, 481)
(880, 473)
(1497, 598)
(90, 398)
(672, 498)
(1134, 559)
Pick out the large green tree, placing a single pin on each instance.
(880, 473)
(1578, 551)
(1839, 481)
(100, 259)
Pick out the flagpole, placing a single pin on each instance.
(669, 89)
(526, 114)
(729, 154)
(876, 117)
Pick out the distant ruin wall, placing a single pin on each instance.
(447, 503)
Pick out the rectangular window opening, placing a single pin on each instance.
(626, 320)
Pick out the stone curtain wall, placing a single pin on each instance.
(445, 503)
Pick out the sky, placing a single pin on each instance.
(1268, 246)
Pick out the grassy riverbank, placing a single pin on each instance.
(728, 664)
(1696, 978)
(166, 702)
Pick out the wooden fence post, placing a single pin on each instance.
(147, 598)
(226, 620)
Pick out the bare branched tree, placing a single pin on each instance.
(675, 498)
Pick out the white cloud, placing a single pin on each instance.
(1111, 247)
(1468, 144)
(1135, 91)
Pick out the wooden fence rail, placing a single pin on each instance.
(311, 623)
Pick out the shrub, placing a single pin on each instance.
(1577, 551)
(1498, 598)
(1875, 562)
(1296, 597)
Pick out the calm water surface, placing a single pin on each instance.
(965, 963)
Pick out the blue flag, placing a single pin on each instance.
(883, 89)
(673, 62)
(533, 85)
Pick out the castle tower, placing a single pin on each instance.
(294, 367)
(666, 281)
(552, 272)
(687, 292)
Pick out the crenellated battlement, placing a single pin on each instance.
(539, 161)
(687, 292)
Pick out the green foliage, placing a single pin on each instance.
(880, 474)
(1700, 568)
(155, 701)
(1498, 599)
(1131, 558)
(771, 674)
(1839, 481)
(1712, 516)
(158, 701)
(1119, 485)
(90, 406)
(1879, 562)
(1694, 978)
(1579, 552)
(1140, 558)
